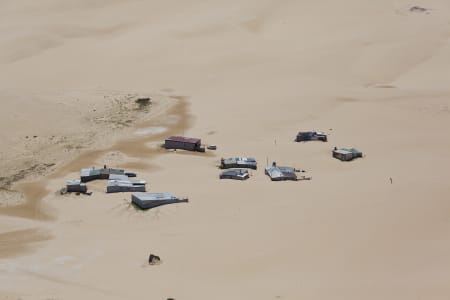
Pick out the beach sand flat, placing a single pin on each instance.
(246, 77)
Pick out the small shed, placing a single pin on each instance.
(103, 173)
(278, 173)
(238, 162)
(346, 154)
(76, 186)
(185, 143)
(239, 174)
(118, 177)
(117, 186)
(303, 136)
(151, 200)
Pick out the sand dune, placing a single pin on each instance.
(245, 76)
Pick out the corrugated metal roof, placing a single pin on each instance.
(118, 177)
(123, 186)
(343, 151)
(347, 151)
(99, 172)
(235, 172)
(126, 182)
(74, 182)
(151, 200)
(237, 160)
(154, 196)
(85, 172)
(138, 182)
(354, 151)
(278, 173)
(119, 183)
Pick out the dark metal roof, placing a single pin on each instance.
(183, 139)
(310, 135)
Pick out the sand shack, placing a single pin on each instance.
(304, 136)
(184, 143)
(278, 173)
(237, 174)
(104, 173)
(76, 186)
(151, 200)
(238, 162)
(346, 154)
(121, 183)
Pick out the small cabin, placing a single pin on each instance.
(185, 143)
(117, 186)
(76, 186)
(104, 173)
(304, 136)
(278, 173)
(122, 183)
(238, 162)
(345, 154)
(237, 174)
(151, 200)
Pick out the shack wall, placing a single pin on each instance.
(169, 144)
(121, 188)
(343, 156)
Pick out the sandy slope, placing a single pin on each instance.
(372, 74)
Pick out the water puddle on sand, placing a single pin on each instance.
(17, 242)
(135, 147)
(148, 131)
(32, 208)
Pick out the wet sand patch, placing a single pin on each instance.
(32, 208)
(17, 242)
(135, 147)
(148, 131)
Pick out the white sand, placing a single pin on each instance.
(371, 74)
